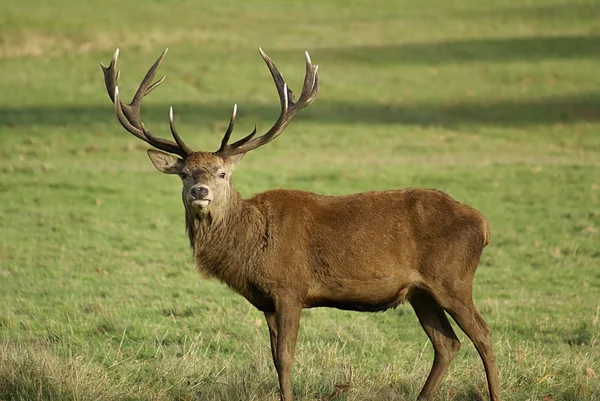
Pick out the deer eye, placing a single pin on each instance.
(222, 175)
(183, 175)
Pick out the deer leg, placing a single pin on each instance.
(287, 322)
(469, 320)
(272, 324)
(445, 343)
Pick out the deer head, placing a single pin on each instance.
(206, 176)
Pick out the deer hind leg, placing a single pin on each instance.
(445, 343)
(466, 316)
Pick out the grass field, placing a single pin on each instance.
(497, 103)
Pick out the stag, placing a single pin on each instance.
(285, 250)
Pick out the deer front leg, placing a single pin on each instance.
(272, 324)
(287, 322)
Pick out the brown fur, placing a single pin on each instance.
(284, 250)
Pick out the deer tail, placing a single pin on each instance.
(487, 231)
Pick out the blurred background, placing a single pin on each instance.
(496, 103)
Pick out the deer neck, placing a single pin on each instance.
(229, 244)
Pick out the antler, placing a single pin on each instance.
(289, 109)
(129, 115)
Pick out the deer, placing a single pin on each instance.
(285, 250)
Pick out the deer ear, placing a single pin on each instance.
(165, 162)
(235, 159)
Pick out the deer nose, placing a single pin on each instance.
(199, 192)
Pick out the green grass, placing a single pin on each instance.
(496, 103)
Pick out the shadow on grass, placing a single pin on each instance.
(498, 50)
(471, 394)
(550, 110)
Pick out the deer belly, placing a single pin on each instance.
(372, 296)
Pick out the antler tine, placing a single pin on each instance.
(245, 139)
(229, 129)
(289, 108)
(111, 75)
(142, 133)
(282, 89)
(146, 86)
(225, 148)
(310, 89)
(178, 139)
(125, 122)
(129, 115)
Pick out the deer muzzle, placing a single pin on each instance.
(200, 196)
